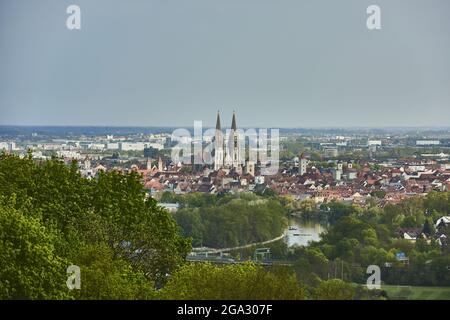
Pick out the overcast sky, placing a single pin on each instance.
(277, 63)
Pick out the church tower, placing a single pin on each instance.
(218, 145)
(303, 164)
(160, 165)
(234, 145)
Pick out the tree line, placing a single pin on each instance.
(229, 220)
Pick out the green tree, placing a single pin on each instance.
(29, 266)
(334, 289)
(311, 264)
(112, 210)
(231, 282)
(104, 276)
(428, 228)
(232, 220)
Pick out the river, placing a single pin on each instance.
(298, 233)
(301, 232)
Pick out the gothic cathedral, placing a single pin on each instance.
(227, 154)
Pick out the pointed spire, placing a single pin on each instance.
(233, 122)
(218, 121)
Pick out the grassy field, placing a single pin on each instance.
(417, 293)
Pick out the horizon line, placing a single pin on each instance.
(191, 126)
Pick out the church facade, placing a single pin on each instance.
(227, 151)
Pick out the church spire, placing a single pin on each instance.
(218, 121)
(233, 122)
(218, 145)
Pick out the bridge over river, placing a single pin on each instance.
(297, 233)
(228, 260)
(217, 255)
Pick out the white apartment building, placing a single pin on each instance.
(112, 146)
(155, 145)
(132, 146)
(69, 154)
(374, 143)
(97, 146)
(8, 146)
(427, 142)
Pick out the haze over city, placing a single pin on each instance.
(288, 64)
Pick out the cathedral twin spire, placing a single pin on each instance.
(231, 158)
(218, 121)
(233, 122)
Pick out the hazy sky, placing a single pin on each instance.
(285, 63)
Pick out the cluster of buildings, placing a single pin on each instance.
(439, 232)
(352, 181)
(83, 147)
(359, 181)
(8, 146)
(348, 180)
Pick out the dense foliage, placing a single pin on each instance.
(123, 242)
(126, 245)
(229, 221)
(359, 237)
(232, 282)
(29, 265)
(51, 217)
